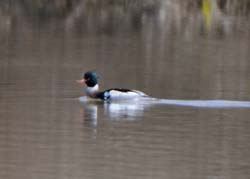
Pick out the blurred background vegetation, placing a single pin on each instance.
(45, 9)
(61, 8)
(111, 16)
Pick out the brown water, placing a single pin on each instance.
(45, 132)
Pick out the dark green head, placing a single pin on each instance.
(91, 78)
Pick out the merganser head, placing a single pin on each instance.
(89, 78)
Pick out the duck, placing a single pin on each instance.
(90, 79)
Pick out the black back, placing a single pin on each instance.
(124, 90)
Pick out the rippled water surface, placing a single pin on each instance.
(46, 132)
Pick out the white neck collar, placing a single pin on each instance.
(91, 91)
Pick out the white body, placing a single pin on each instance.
(115, 94)
(133, 94)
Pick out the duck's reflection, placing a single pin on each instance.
(90, 114)
(112, 111)
(123, 111)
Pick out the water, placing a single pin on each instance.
(46, 132)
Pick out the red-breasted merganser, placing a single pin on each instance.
(92, 90)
